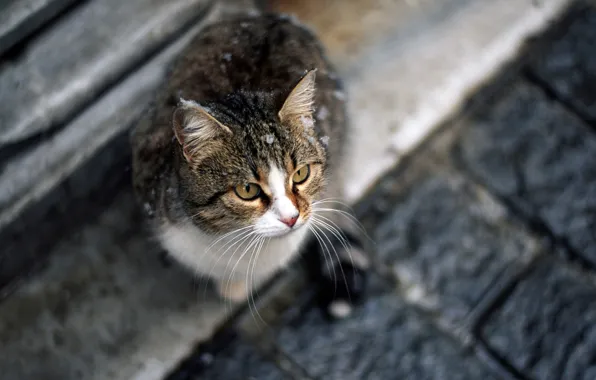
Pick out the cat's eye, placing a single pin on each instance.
(301, 174)
(248, 191)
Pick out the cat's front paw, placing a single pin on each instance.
(235, 291)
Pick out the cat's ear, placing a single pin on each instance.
(301, 100)
(194, 127)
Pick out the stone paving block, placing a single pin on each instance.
(547, 326)
(531, 152)
(69, 65)
(568, 63)
(447, 240)
(382, 340)
(18, 18)
(240, 360)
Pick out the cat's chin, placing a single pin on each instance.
(280, 233)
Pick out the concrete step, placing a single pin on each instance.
(79, 57)
(407, 66)
(20, 18)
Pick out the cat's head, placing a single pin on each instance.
(250, 160)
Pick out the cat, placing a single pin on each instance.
(239, 161)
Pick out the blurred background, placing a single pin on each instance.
(473, 170)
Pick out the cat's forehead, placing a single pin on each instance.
(258, 138)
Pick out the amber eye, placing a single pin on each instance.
(301, 174)
(248, 191)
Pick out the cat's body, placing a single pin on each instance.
(242, 111)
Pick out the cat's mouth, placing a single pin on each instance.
(280, 230)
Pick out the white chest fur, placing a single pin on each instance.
(206, 255)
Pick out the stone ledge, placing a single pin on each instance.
(19, 18)
(73, 62)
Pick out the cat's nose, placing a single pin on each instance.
(289, 221)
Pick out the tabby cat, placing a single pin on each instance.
(240, 159)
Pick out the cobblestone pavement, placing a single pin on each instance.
(485, 239)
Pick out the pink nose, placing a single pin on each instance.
(289, 221)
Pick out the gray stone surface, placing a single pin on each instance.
(530, 151)
(547, 326)
(67, 67)
(28, 176)
(105, 307)
(568, 64)
(76, 200)
(18, 18)
(36, 185)
(447, 240)
(240, 360)
(383, 340)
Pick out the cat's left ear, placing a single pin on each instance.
(301, 100)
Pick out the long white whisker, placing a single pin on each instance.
(249, 279)
(336, 232)
(326, 252)
(315, 225)
(226, 235)
(331, 201)
(254, 241)
(350, 217)
(252, 234)
(231, 244)
(334, 227)
(254, 263)
(204, 278)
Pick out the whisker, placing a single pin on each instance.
(337, 233)
(350, 217)
(226, 235)
(231, 244)
(334, 228)
(334, 200)
(329, 264)
(315, 225)
(258, 253)
(249, 279)
(251, 244)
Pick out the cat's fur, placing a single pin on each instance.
(250, 100)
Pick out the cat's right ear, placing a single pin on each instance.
(194, 128)
(300, 101)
